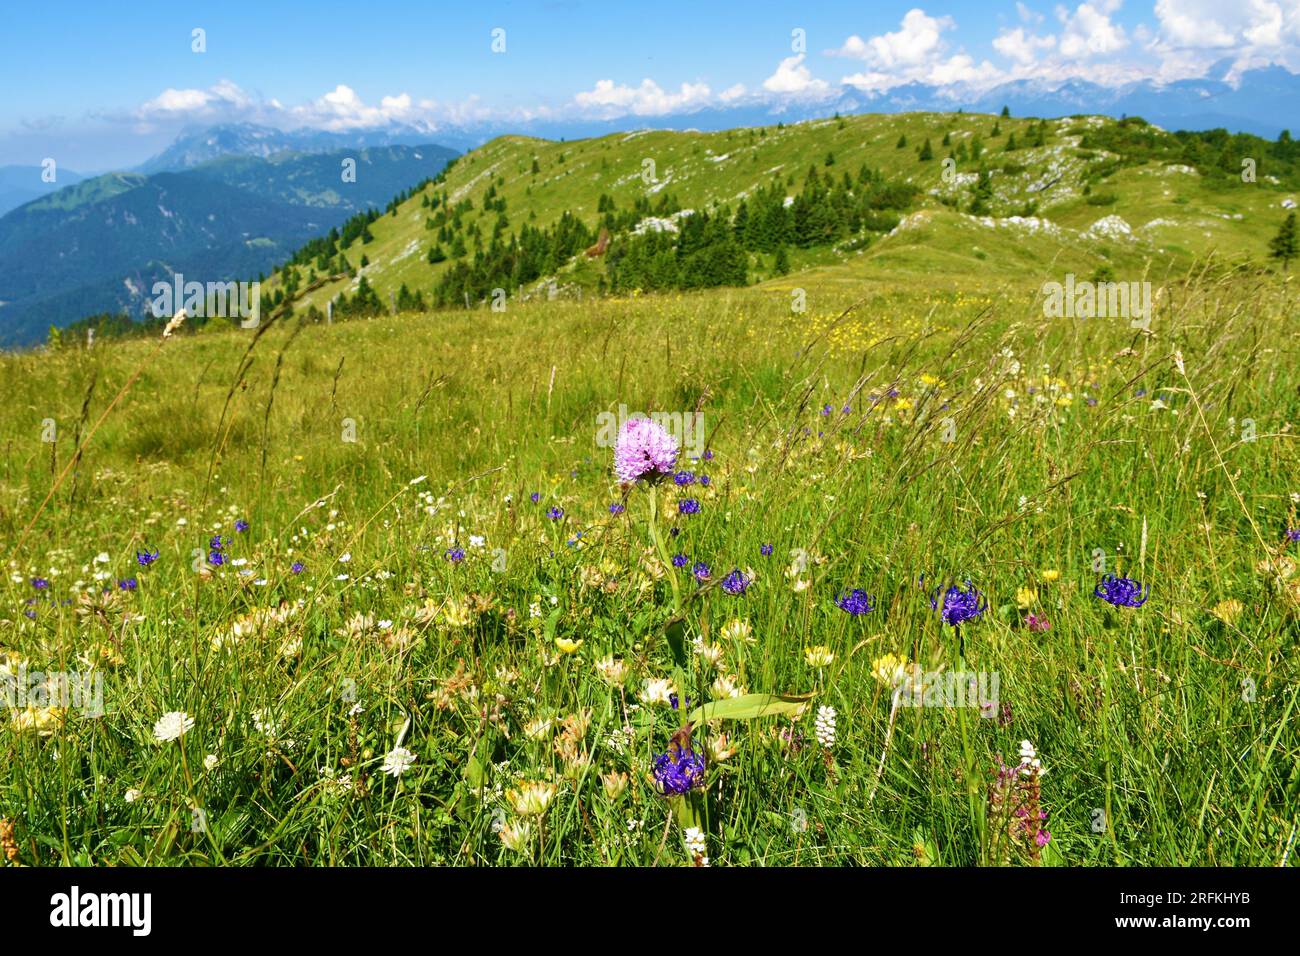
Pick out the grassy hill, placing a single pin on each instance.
(1053, 207)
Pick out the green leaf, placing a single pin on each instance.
(749, 706)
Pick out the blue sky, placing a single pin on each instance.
(109, 84)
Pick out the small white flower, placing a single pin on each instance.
(695, 842)
(132, 795)
(102, 558)
(172, 725)
(396, 761)
(345, 557)
(824, 727)
(210, 762)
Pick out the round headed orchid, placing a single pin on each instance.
(644, 451)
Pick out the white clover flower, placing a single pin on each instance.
(132, 795)
(695, 843)
(657, 690)
(172, 725)
(210, 762)
(396, 761)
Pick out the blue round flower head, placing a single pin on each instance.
(1121, 592)
(701, 571)
(680, 560)
(555, 514)
(735, 583)
(678, 771)
(40, 583)
(616, 509)
(296, 567)
(765, 550)
(856, 602)
(241, 525)
(684, 477)
(146, 557)
(535, 497)
(455, 554)
(688, 506)
(957, 605)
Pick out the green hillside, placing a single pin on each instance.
(1069, 203)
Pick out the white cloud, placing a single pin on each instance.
(1089, 31)
(648, 99)
(223, 95)
(1027, 15)
(916, 52)
(732, 93)
(1022, 47)
(792, 76)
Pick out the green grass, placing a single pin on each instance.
(1174, 729)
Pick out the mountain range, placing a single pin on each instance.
(100, 244)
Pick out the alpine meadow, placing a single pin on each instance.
(883, 488)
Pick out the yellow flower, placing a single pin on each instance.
(1228, 611)
(43, 720)
(531, 799)
(567, 645)
(456, 613)
(818, 656)
(614, 784)
(889, 669)
(1051, 574)
(1026, 598)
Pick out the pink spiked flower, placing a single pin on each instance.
(644, 450)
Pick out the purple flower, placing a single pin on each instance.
(296, 567)
(701, 571)
(146, 557)
(688, 506)
(704, 480)
(765, 550)
(555, 514)
(1293, 534)
(241, 526)
(217, 542)
(678, 771)
(735, 583)
(535, 497)
(455, 554)
(1121, 592)
(957, 605)
(40, 583)
(680, 560)
(216, 558)
(684, 477)
(856, 602)
(826, 410)
(616, 509)
(644, 450)
(129, 584)
(1036, 623)
(708, 455)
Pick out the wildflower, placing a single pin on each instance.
(171, 725)
(889, 669)
(567, 645)
(1051, 574)
(173, 324)
(856, 602)
(679, 770)
(1121, 592)
(701, 571)
(696, 845)
(1026, 598)
(1293, 534)
(688, 506)
(612, 671)
(516, 836)
(616, 509)
(241, 526)
(210, 762)
(656, 690)
(958, 605)
(146, 557)
(531, 799)
(132, 795)
(824, 727)
(644, 450)
(724, 686)
(721, 748)
(397, 761)
(1228, 611)
(818, 656)
(683, 478)
(737, 630)
(765, 550)
(735, 583)
(555, 514)
(680, 560)
(455, 555)
(296, 567)
(40, 584)
(1036, 623)
(127, 584)
(535, 497)
(614, 784)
